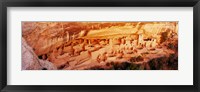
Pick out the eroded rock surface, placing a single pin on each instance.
(30, 60)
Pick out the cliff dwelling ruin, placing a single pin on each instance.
(99, 45)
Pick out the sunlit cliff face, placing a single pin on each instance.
(94, 45)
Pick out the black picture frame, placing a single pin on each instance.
(100, 3)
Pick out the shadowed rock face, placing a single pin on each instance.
(30, 60)
(101, 45)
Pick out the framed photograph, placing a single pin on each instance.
(105, 45)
